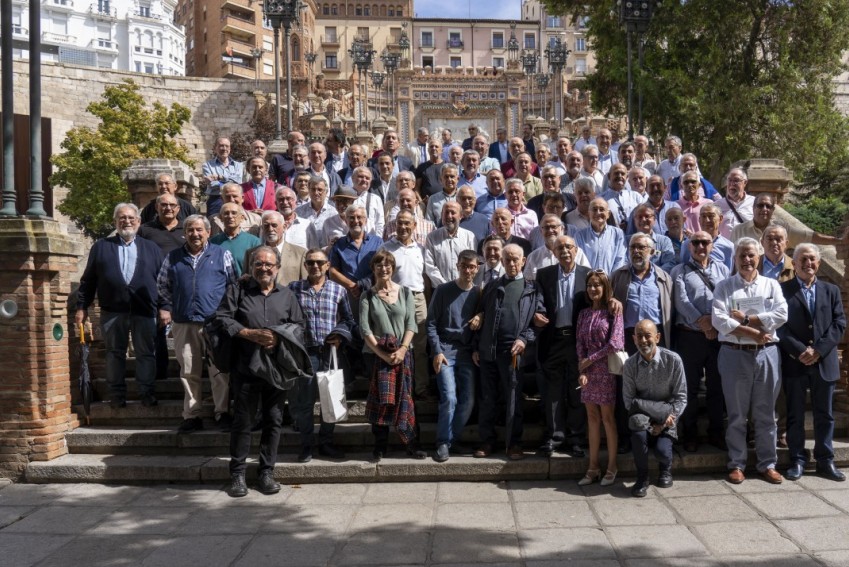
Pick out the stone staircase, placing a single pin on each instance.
(140, 445)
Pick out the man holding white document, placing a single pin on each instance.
(747, 310)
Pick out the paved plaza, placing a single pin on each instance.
(700, 521)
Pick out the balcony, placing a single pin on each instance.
(244, 5)
(454, 44)
(240, 48)
(104, 45)
(19, 31)
(58, 38)
(330, 70)
(59, 5)
(241, 71)
(330, 41)
(239, 27)
(103, 11)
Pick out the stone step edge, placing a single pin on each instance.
(98, 468)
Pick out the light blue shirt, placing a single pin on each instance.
(643, 300)
(810, 294)
(128, 254)
(772, 271)
(605, 250)
(259, 191)
(722, 252)
(487, 204)
(478, 183)
(234, 171)
(622, 203)
(691, 296)
(566, 288)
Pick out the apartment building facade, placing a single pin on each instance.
(124, 35)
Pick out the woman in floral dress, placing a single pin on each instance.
(599, 333)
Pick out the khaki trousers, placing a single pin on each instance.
(190, 348)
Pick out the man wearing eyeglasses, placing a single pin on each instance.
(590, 166)
(737, 207)
(165, 184)
(722, 249)
(696, 339)
(328, 319)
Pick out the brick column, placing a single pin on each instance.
(39, 257)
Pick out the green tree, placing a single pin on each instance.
(92, 161)
(735, 79)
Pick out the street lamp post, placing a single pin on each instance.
(530, 58)
(390, 65)
(556, 53)
(542, 82)
(362, 57)
(310, 56)
(635, 16)
(256, 53)
(377, 81)
(282, 12)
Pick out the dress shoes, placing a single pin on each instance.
(266, 483)
(575, 450)
(640, 488)
(830, 472)
(794, 471)
(736, 476)
(781, 441)
(237, 487)
(547, 448)
(330, 451)
(190, 424)
(772, 476)
(515, 453)
(664, 479)
(306, 455)
(224, 421)
(483, 451)
(442, 453)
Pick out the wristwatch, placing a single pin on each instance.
(745, 321)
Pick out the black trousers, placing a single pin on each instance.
(701, 355)
(249, 392)
(495, 387)
(822, 393)
(160, 346)
(641, 442)
(565, 415)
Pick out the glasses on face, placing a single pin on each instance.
(311, 263)
(169, 205)
(734, 181)
(689, 182)
(264, 265)
(697, 243)
(764, 206)
(639, 247)
(549, 176)
(127, 218)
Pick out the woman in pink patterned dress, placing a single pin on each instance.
(599, 333)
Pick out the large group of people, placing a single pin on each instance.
(616, 283)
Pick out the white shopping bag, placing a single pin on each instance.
(331, 391)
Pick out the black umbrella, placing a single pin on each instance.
(511, 402)
(85, 375)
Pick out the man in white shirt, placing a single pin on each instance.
(579, 217)
(296, 229)
(316, 211)
(492, 268)
(590, 166)
(621, 201)
(445, 244)
(737, 207)
(585, 139)
(606, 156)
(564, 151)
(417, 149)
(450, 177)
(367, 199)
(668, 168)
(480, 144)
(642, 158)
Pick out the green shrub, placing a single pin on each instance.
(823, 214)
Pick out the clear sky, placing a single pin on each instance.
(489, 9)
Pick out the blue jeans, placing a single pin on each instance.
(304, 396)
(456, 383)
(116, 329)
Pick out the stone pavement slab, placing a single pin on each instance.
(819, 534)
(11, 514)
(790, 560)
(655, 541)
(394, 492)
(545, 491)
(789, 505)
(738, 538)
(706, 509)
(60, 520)
(838, 498)
(556, 514)
(152, 520)
(565, 544)
(834, 558)
(491, 516)
(209, 551)
(632, 512)
(378, 516)
(385, 548)
(455, 546)
(25, 550)
(473, 492)
(103, 551)
(286, 550)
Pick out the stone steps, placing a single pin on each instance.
(357, 468)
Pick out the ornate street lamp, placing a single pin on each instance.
(542, 82)
(390, 65)
(377, 81)
(530, 58)
(282, 12)
(310, 56)
(362, 57)
(404, 43)
(556, 53)
(256, 53)
(635, 16)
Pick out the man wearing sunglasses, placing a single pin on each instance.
(696, 339)
(765, 204)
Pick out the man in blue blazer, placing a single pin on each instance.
(121, 271)
(815, 325)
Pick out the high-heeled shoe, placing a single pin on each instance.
(609, 478)
(590, 477)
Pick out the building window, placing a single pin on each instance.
(498, 40)
(427, 61)
(498, 62)
(366, 11)
(102, 6)
(144, 11)
(363, 34)
(583, 21)
(267, 68)
(455, 40)
(530, 41)
(296, 49)
(391, 12)
(427, 39)
(394, 35)
(267, 45)
(456, 62)
(148, 68)
(358, 11)
(580, 66)
(553, 22)
(330, 61)
(325, 10)
(334, 10)
(330, 35)
(399, 11)
(580, 44)
(138, 67)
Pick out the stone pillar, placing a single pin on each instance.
(39, 258)
(140, 178)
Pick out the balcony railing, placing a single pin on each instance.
(50, 37)
(239, 27)
(455, 44)
(104, 44)
(328, 40)
(103, 11)
(58, 4)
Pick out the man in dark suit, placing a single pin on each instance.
(122, 271)
(560, 291)
(808, 341)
